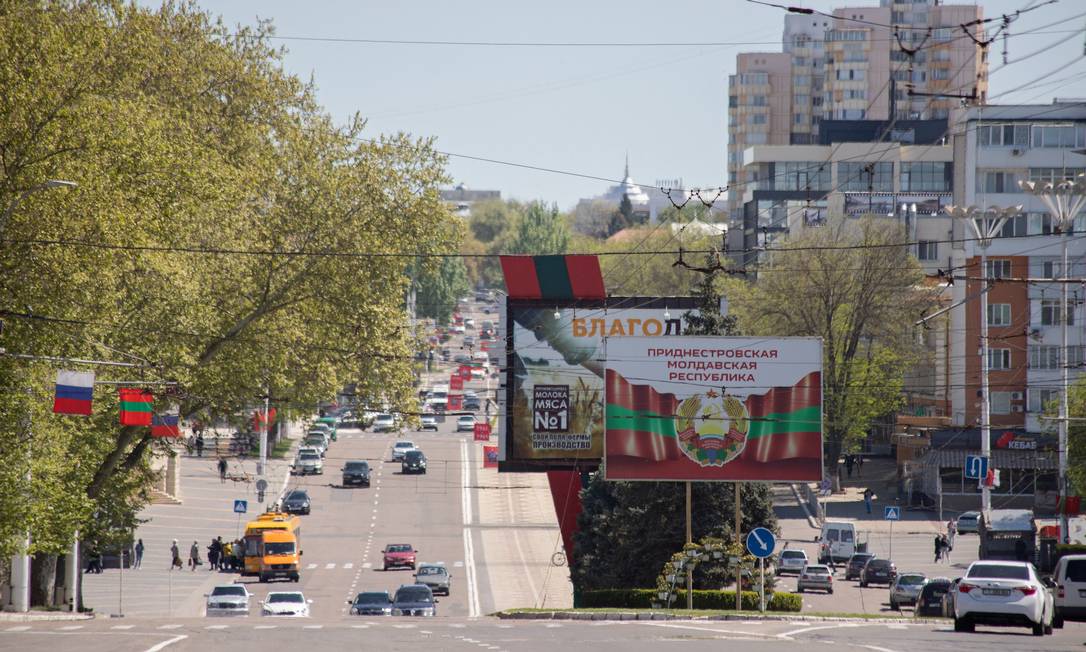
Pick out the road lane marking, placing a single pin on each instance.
(360, 626)
(18, 628)
(872, 647)
(469, 548)
(897, 626)
(216, 626)
(70, 628)
(458, 564)
(161, 646)
(122, 627)
(312, 566)
(705, 629)
(174, 626)
(369, 565)
(350, 565)
(405, 626)
(322, 626)
(804, 630)
(331, 566)
(265, 626)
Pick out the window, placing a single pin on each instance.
(999, 314)
(1066, 136)
(849, 74)
(757, 118)
(758, 100)
(1001, 402)
(801, 99)
(1003, 136)
(754, 78)
(940, 73)
(1054, 175)
(998, 269)
(855, 94)
(1039, 223)
(999, 359)
(801, 80)
(1050, 269)
(927, 250)
(879, 177)
(997, 181)
(1044, 357)
(926, 176)
(1039, 399)
(800, 118)
(1015, 227)
(1050, 312)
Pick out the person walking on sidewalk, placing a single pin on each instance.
(175, 556)
(860, 465)
(222, 470)
(849, 461)
(199, 444)
(194, 556)
(139, 554)
(212, 556)
(951, 531)
(938, 547)
(946, 547)
(868, 494)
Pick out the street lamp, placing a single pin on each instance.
(46, 185)
(1064, 201)
(986, 223)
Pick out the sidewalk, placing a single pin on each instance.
(206, 511)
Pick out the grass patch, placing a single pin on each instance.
(281, 448)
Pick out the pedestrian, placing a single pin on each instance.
(849, 461)
(827, 487)
(222, 470)
(946, 547)
(94, 559)
(860, 465)
(867, 499)
(938, 548)
(212, 556)
(175, 556)
(227, 556)
(194, 556)
(139, 554)
(1020, 550)
(951, 532)
(199, 444)
(239, 555)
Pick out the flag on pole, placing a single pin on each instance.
(136, 406)
(490, 457)
(75, 390)
(165, 425)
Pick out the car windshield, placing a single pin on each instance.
(371, 598)
(910, 580)
(399, 547)
(279, 548)
(311, 440)
(878, 564)
(285, 597)
(413, 456)
(384, 417)
(238, 591)
(309, 455)
(404, 444)
(998, 571)
(414, 594)
(1076, 570)
(817, 570)
(467, 419)
(356, 466)
(432, 570)
(793, 554)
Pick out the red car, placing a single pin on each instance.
(399, 555)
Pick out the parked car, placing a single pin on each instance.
(969, 522)
(296, 502)
(1004, 593)
(414, 461)
(930, 602)
(1070, 590)
(317, 440)
(400, 448)
(414, 600)
(435, 576)
(905, 589)
(791, 561)
(227, 600)
(837, 540)
(856, 564)
(948, 599)
(307, 462)
(878, 571)
(285, 603)
(465, 422)
(356, 472)
(428, 422)
(399, 555)
(384, 423)
(371, 603)
(815, 576)
(469, 323)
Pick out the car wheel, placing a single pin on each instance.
(1057, 621)
(263, 578)
(1039, 629)
(829, 591)
(963, 625)
(1048, 630)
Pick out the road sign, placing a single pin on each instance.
(976, 467)
(241, 506)
(892, 513)
(482, 432)
(761, 542)
(261, 484)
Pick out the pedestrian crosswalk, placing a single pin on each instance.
(351, 565)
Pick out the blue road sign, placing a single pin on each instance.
(976, 467)
(761, 542)
(241, 506)
(892, 514)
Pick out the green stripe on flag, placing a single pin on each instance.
(776, 423)
(553, 277)
(136, 406)
(620, 418)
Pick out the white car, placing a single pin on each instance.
(1070, 589)
(1003, 593)
(384, 423)
(457, 328)
(307, 462)
(466, 422)
(400, 448)
(428, 422)
(227, 600)
(285, 603)
(791, 561)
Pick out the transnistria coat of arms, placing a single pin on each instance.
(712, 428)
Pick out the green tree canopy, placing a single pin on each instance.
(540, 230)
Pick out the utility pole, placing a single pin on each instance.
(689, 540)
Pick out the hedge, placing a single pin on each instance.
(703, 599)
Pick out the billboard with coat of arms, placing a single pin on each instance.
(713, 408)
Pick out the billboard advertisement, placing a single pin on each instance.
(555, 373)
(713, 408)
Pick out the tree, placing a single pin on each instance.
(440, 286)
(592, 217)
(540, 230)
(628, 530)
(848, 284)
(708, 319)
(1076, 436)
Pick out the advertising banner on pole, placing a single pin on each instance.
(713, 408)
(490, 457)
(456, 382)
(482, 432)
(456, 402)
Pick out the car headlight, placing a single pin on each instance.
(428, 612)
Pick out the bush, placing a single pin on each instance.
(703, 599)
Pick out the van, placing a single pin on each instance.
(254, 542)
(837, 541)
(279, 555)
(1070, 592)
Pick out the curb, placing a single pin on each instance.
(651, 615)
(811, 520)
(12, 617)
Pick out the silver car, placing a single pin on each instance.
(906, 588)
(791, 561)
(815, 576)
(435, 576)
(308, 462)
(400, 448)
(228, 600)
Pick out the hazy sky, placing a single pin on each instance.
(581, 109)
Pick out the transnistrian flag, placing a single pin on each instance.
(165, 425)
(136, 406)
(75, 390)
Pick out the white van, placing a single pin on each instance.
(1070, 592)
(837, 540)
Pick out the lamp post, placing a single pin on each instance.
(1064, 201)
(986, 224)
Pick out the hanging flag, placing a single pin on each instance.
(136, 406)
(490, 457)
(165, 425)
(75, 389)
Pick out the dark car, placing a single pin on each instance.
(414, 461)
(878, 571)
(356, 473)
(856, 564)
(371, 603)
(296, 502)
(472, 402)
(414, 600)
(930, 602)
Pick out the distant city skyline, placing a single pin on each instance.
(581, 109)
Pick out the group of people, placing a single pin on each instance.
(221, 555)
(852, 461)
(944, 543)
(94, 556)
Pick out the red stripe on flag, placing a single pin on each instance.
(793, 470)
(71, 406)
(521, 281)
(585, 277)
(782, 400)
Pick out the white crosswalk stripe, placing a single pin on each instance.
(216, 626)
(312, 566)
(174, 626)
(322, 626)
(369, 565)
(265, 627)
(349, 566)
(71, 628)
(460, 564)
(331, 566)
(122, 627)
(18, 628)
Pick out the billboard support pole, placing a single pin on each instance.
(738, 541)
(689, 540)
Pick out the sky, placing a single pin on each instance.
(581, 109)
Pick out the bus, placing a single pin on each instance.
(277, 554)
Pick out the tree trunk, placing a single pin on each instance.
(43, 571)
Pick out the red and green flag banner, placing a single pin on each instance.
(553, 277)
(697, 408)
(137, 406)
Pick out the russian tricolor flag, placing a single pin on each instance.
(165, 425)
(75, 391)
